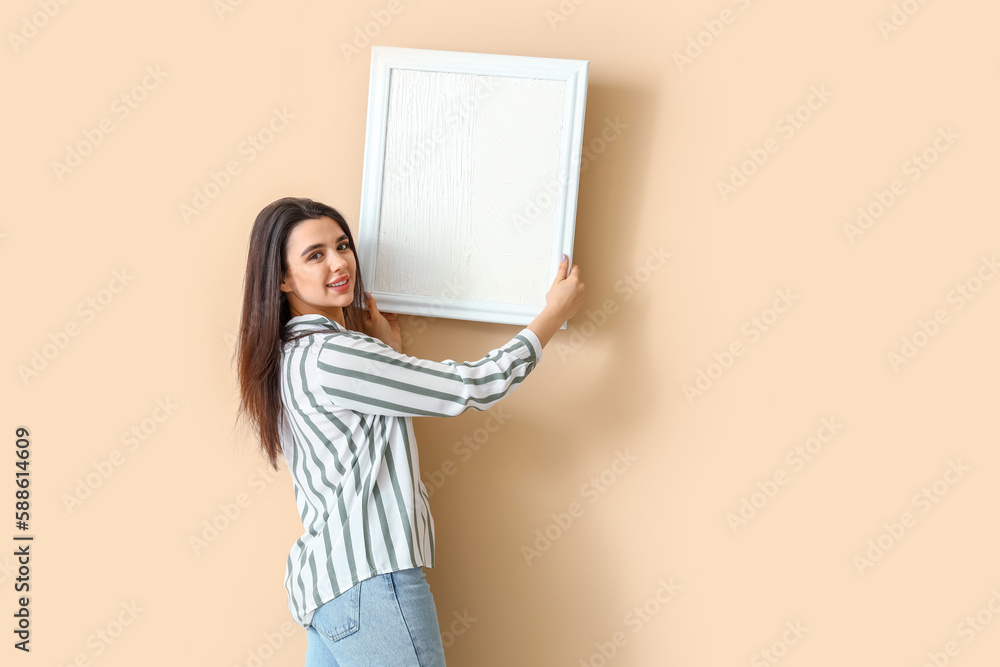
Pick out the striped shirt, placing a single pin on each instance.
(350, 448)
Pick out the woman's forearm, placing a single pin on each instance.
(545, 325)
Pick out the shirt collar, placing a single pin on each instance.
(313, 320)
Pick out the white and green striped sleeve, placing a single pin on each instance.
(364, 374)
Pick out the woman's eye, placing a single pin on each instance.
(343, 246)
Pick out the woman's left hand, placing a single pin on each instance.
(385, 326)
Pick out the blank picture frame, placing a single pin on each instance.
(470, 181)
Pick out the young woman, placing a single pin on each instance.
(327, 384)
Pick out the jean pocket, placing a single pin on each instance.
(341, 616)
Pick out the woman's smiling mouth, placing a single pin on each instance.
(340, 285)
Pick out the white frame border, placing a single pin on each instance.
(386, 58)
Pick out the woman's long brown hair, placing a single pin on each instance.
(262, 333)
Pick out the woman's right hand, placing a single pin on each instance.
(565, 297)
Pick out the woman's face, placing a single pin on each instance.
(319, 256)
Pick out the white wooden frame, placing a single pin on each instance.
(572, 73)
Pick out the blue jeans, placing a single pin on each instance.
(388, 620)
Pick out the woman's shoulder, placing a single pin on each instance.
(328, 339)
(309, 326)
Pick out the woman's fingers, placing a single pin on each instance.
(370, 302)
(562, 273)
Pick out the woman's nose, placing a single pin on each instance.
(338, 262)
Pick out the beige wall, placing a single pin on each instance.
(163, 334)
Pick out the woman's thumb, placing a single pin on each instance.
(562, 272)
(370, 302)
